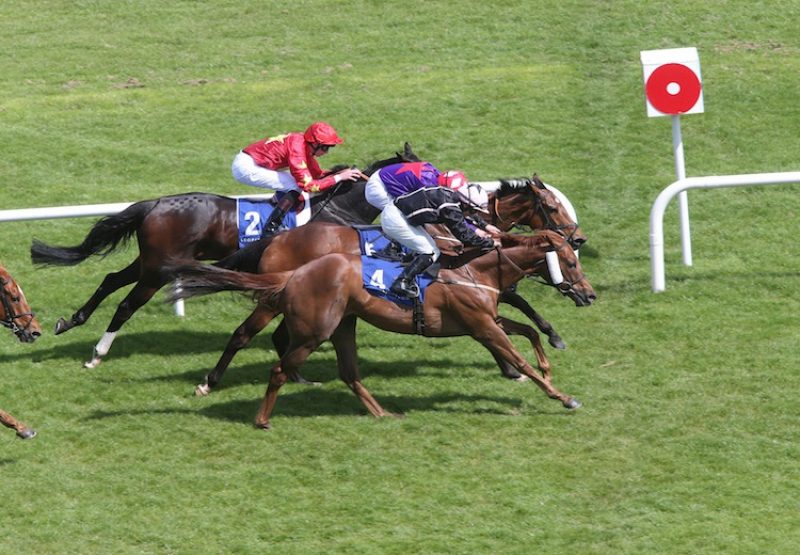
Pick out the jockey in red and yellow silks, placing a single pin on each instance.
(287, 164)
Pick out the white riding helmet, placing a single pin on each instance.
(472, 193)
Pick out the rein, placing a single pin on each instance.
(10, 318)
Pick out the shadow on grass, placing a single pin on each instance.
(326, 370)
(309, 402)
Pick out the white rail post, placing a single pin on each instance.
(683, 198)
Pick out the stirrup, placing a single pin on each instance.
(405, 288)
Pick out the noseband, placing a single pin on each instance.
(10, 319)
(564, 287)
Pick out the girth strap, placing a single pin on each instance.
(418, 317)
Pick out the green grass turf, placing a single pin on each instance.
(687, 442)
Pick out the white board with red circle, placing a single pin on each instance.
(672, 82)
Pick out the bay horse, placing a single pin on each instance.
(322, 299)
(16, 315)
(528, 202)
(203, 226)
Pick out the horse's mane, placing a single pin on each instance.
(518, 185)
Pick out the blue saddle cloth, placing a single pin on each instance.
(378, 274)
(250, 218)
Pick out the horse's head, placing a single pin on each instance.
(548, 255)
(528, 202)
(15, 313)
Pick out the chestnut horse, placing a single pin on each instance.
(527, 202)
(321, 300)
(16, 315)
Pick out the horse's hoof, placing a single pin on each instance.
(572, 404)
(557, 342)
(512, 374)
(27, 433)
(297, 378)
(202, 390)
(62, 326)
(94, 363)
(263, 426)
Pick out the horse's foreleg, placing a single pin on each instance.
(111, 283)
(344, 341)
(254, 323)
(138, 297)
(517, 301)
(507, 370)
(492, 336)
(23, 431)
(511, 328)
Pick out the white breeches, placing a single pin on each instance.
(414, 237)
(246, 171)
(375, 192)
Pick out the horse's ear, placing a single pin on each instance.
(408, 153)
(536, 182)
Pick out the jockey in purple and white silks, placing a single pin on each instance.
(412, 194)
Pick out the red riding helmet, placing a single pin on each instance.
(322, 133)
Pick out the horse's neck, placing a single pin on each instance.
(509, 210)
(348, 208)
(504, 269)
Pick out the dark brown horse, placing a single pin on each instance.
(321, 300)
(530, 203)
(16, 315)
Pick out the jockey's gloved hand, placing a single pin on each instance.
(350, 174)
(515, 182)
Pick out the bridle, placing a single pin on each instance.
(566, 286)
(10, 318)
(567, 230)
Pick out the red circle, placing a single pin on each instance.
(666, 102)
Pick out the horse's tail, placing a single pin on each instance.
(197, 279)
(246, 259)
(104, 237)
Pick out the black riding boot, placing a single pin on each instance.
(285, 203)
(405, 285)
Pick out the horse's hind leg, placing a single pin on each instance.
(344, 341)
(111, 283)
(136, 298)
(290, 362)
(254, 323)
(23, 431)
(517, 301)
(280, 340)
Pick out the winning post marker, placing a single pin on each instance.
(673, 86)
